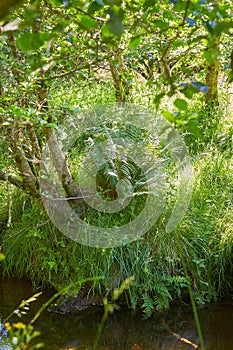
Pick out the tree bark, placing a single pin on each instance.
(213, 72)
(212, 80)
(212, 83)
(29, 179)
(119, 75)
(25, 147)
(16, 182)
(62, 168)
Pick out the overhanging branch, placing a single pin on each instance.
(5, 177)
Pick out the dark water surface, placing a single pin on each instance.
(124, 329)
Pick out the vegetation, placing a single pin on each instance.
(173, 58)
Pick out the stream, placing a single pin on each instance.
(124, 329)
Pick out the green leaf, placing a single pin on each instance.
(161, 24)
(55, 3)
(51, 125)
(135, 42)
(223, 27)
(46, 36)
(93, 8)
(106, 32)
(169, 116)
(189, 91)
(193, 127)
(113, 2)
(29, 42)
(186, 70)
(115, 24)
(181, 104)
(180, 6)
(178, 43)
(88, 22)
(148, 3)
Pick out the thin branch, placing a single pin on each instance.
(14, 181)
(186, 11)
(77, 68)
(177, 336)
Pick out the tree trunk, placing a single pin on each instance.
(213, 71)
(212, 83)
(119, 75)
(62, 168)
(22, 139)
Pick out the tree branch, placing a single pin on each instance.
(5, 177)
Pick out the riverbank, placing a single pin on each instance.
(125, 330)
(202, 244)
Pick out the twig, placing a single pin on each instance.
(177, 336)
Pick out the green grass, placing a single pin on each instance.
(203, 241)
(34, 247)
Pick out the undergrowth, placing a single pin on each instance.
(33, 247)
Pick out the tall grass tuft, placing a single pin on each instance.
(33, 247)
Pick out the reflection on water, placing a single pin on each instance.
(124, 329)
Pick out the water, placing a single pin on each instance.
(124, 329)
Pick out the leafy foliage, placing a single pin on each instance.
(60, 56)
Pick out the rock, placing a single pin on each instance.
(73, 304)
